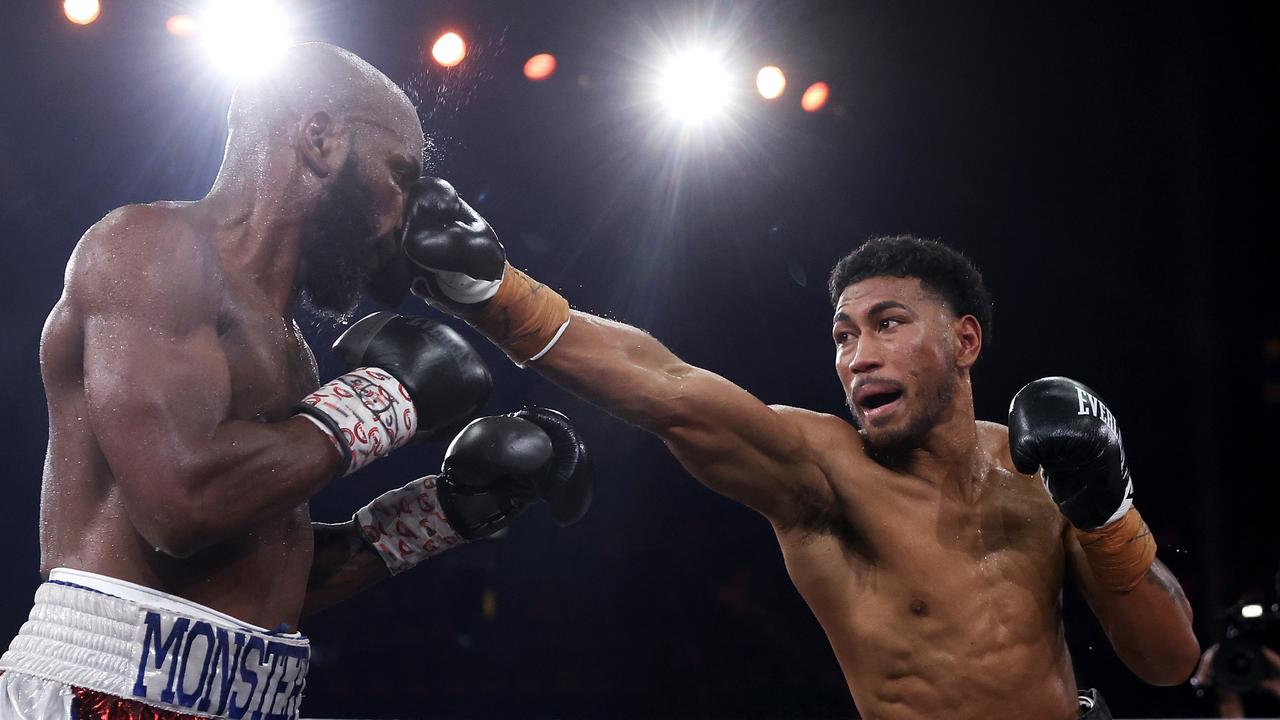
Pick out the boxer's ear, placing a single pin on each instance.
(967, 336)
(318, 143)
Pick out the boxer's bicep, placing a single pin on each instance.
(757, 454)
(169, 390)
(724, 436)
(156, 381)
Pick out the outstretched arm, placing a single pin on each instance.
(729, 440)
(735, 444)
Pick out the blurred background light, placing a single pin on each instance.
(540, 67)
(181, 25)
(770, 81)
(815, 96)
(449, 49)
(82, 12)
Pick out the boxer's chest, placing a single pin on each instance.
(269, 363)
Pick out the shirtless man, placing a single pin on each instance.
(188, 426)
(931, 554)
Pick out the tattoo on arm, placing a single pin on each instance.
(1160, 576)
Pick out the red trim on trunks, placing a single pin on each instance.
(94, 705)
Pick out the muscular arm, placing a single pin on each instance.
(1149, 626)
(158, 391)
(725, 437)
(344, 565)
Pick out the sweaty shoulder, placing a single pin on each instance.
(823, 431)
(143, 256)
(994, 439)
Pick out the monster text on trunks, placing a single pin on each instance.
(195, 665)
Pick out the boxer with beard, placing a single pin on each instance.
(188, 426)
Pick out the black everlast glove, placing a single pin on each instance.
(1060, 425)
(410, 378)
(498, 466)
(455, 255)
(445, 251)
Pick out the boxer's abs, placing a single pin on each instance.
(954, 645)
(259, 577)
(943, 607)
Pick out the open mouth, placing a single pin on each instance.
(877, 401)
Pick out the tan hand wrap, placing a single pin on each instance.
(1121, 552)
(525, 318)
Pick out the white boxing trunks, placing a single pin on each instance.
(96, 647)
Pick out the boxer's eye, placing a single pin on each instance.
(889, 323)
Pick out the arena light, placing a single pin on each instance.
(815, 96)
(1251, 611)
(181, 25)
(244, 36)
(540, 67)
(770, 82)
(81, 12)
(449, 49)
(694, 85)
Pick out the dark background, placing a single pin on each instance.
(1108, 166)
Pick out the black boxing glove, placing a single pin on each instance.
(456, 257)
(498, 466)
(412, 379)
(460, 268)
(570, 480)
(1061, 425)
(459, 260)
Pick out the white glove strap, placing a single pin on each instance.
(1125, 505)
(407, 526)
(462, 288)
(554, 339)
(372, 410)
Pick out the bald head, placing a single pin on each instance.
(309, 79)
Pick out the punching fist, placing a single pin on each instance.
(1060, 425)
(498, 466)
(412, 378)
(456, 256)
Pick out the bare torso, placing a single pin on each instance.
(258, 576)
(937, 602)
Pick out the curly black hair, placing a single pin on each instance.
(941, 270)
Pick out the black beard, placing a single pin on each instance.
(337, 247)
(890, 449)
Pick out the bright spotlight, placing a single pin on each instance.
(815, 97)
(540, 67)
(695, 86)
(181, 25)
(244, 36)
(770, 82)
(1251, 611)
(82, 12)
(449, 49)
